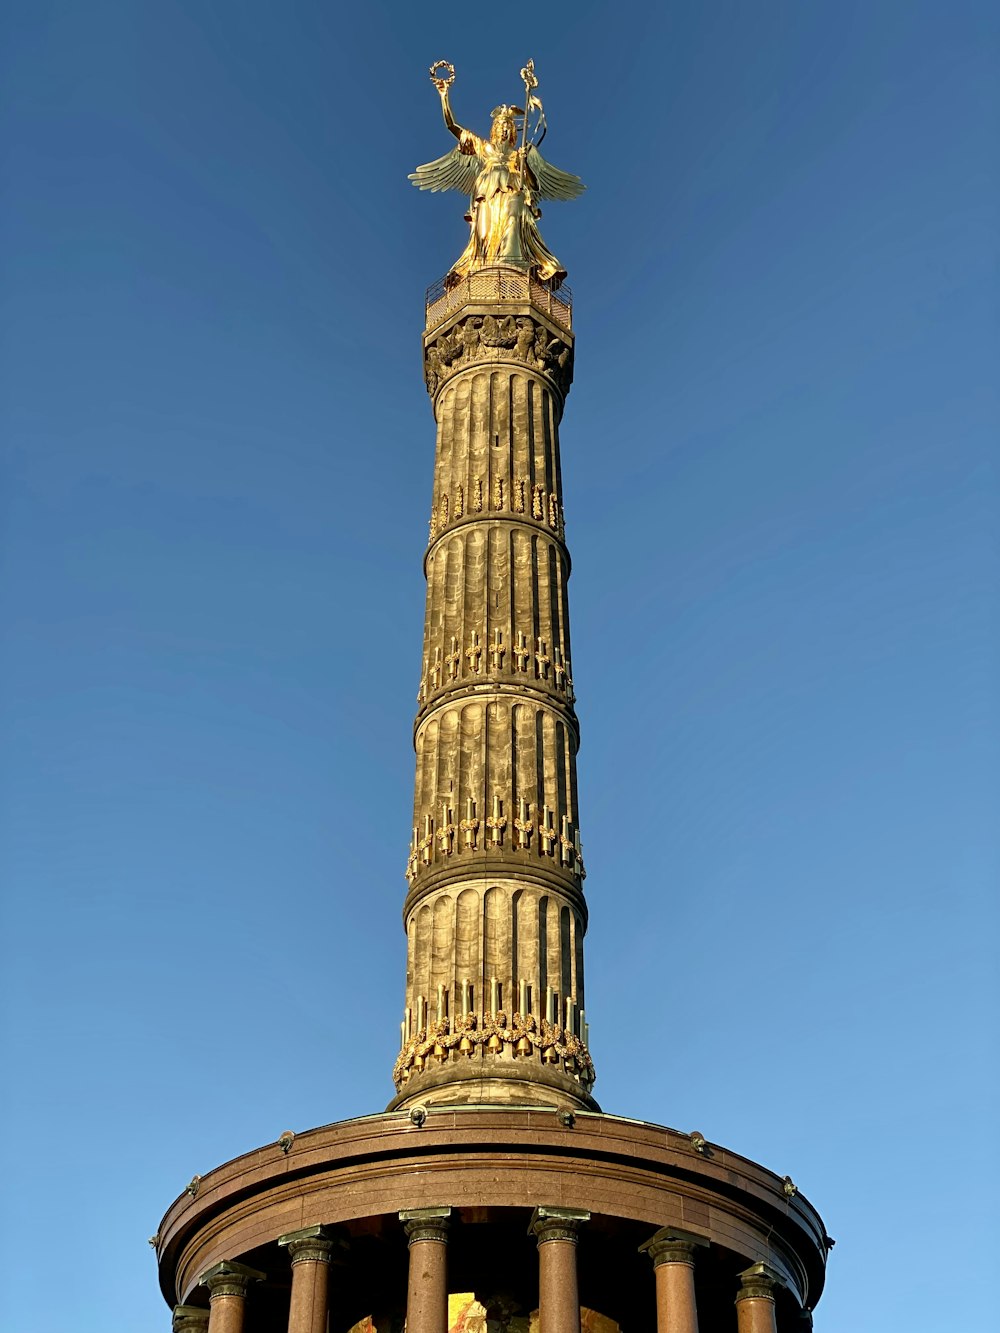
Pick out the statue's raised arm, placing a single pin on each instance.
(442, 86)
(504, 181)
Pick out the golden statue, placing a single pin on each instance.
(504, 182)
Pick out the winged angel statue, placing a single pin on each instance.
(505, 183)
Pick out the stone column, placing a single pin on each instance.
(558, 1293)
(755, 1300)
(427, 1293)
(672, 1253)
(310, 1251)
(227, 1288)
(189, 1319)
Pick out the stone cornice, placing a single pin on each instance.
(510, 1157)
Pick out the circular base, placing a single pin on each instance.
(492, 1166)
(525, 1083)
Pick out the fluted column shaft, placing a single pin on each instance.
(497, 629)
(495, 916)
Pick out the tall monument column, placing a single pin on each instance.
(493, 1112)
(495, 915)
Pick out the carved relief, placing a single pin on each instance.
(525, 339)
(545, 508)
(453, 659)
(550, 665)
(542, 660)
(446, 832)
(567, 840)
(469, 827)
(497, 651)
(523, 1036)
(496, 823)
(487, 338)
(426, 844)
(546, 833)
(523, 826)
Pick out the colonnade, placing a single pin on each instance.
(556, 1230)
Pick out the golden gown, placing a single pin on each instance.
(504, 184)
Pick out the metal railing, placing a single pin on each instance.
(498, 286)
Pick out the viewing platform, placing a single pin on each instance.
(497, 286)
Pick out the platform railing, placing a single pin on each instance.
(498, 286)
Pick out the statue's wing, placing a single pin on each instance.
(454, 171)
(553, 183)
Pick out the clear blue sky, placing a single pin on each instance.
(781, 499)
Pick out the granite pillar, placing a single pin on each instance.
(557, 1230)
(672, 1253)
(427, 1292)
(227, 1285)
(755, 1300)
(310, 1251)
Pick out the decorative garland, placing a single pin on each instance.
(469, 1036)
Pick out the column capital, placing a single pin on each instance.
(426, 1224)
(229, 1279)
(557, 1224)
(311, 1245)
(758, 1283)
(189, 1319)
(672, 1246)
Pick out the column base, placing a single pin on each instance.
(519, 1084)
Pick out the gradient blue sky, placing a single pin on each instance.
(781, 499)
